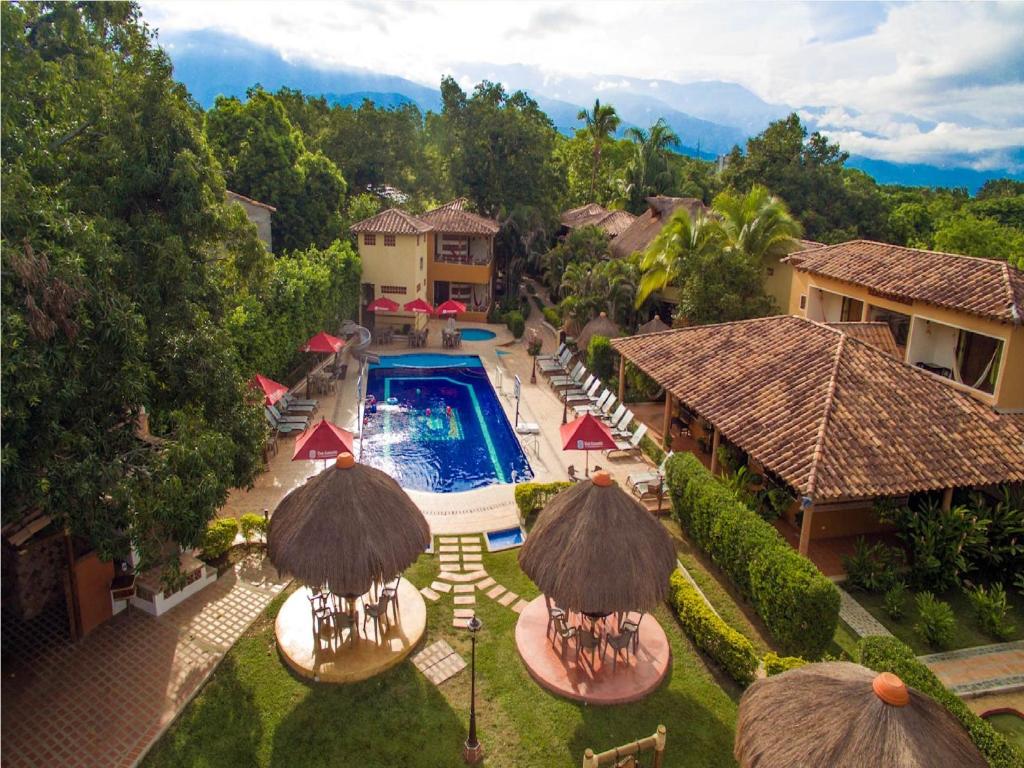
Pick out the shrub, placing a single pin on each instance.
(639, 386)
(516, 323)
(887, 654)
(935, 621)
(251, 525)
(600, 357)
(990, 610)
(553, 316)
(894, 603)
(531, 497)
(797, 603)
(728, 648)
(776, 665)
(220, 535)
(773, 501)
(872, 567)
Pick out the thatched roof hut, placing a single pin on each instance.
(599, 326)
(346, 528)
(596, 549)
(654, 325)
(848, 716)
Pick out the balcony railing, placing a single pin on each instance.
(462, 258)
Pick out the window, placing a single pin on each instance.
(389, 240)
(421, 263)
(397, 289)
(369, 239)
(851, 310)
(977, 360)
(803, 302)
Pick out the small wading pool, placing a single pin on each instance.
(506, 538)
(1009, 722)
(477, 334)
(437, 425)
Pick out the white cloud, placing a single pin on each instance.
(900, 71)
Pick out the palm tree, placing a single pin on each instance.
(648, 172)
(757, 224)
(601, 122)
(682, 242)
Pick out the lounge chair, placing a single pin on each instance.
(571, 379)
(621, 427)
(629, 446)
(528, 428)
(604, 409)
(577, 396)
(655, 475)
(287, 419)
(582, 388)
(593, 405)
(615, 417)
(559, 364)
(280, 427)
(541, 359)
(292, 407)
(293, 400)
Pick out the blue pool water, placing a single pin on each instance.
(477, 334)
(464, 442)
(504, 539)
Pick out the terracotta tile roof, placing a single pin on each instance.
(983, 287)
(638, 235)
(235, 196)
(878, 335)
(392, 221)
(454, 218)
(613, 223)
(832, 416)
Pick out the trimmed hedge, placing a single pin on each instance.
(733, 652)
(798, 604)
(531, 497)
(888, 654)
(600, 358)
(776, 665)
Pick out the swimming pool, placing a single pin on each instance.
(507, 538)
(438, 425)
(477, 334)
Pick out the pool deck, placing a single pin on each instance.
(476, 511)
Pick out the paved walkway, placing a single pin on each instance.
(985, 669)
(857, 617)
(105, 700)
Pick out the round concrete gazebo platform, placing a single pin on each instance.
(344, 660)
(559, 673)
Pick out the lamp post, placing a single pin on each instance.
(472, 752)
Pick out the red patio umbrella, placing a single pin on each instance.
(322, 442)
(451, 307)
(586, 434)
(271, 389)
(419, 306)
(382, 304)
(323, 343)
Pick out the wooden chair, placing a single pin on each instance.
(391, 593)
(620, 642)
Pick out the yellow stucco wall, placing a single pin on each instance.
(403, 264)
(778, 282)
(1009, 389)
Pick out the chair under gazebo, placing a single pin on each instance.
(347, 535)
(849, 716)
(602, 562)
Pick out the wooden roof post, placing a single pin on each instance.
(622, 378)
(659, 746)
(589, 759)
(805, 526)
(666, 436)
(947, 499)
(716, 439)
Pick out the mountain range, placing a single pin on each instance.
(710, 117)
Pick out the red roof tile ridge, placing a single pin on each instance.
(830, 396)
(1015, 303)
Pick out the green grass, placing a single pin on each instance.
(254, 712)
(1010, 725)
(967, 633)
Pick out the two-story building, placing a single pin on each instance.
(258, 213)
(957, 317)
(446, 253)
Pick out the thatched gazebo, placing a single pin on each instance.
(849, 716)
(654, 325)
(599, 326)
(596, 550)
(347, 528)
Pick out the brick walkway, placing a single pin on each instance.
(985, 669)
(105, 700)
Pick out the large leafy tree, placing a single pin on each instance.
(118, 252)
(601, 122)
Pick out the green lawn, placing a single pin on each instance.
(255, 712)
(967, 633)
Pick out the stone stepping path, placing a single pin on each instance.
(858, 618)
(429, 593)
(462, 574)
(438, 662)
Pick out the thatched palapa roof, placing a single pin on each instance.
(346, 528)
(847, 716)
(595, 549)
(654, 325)
(599, 326)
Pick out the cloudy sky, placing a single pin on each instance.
(911, 82)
